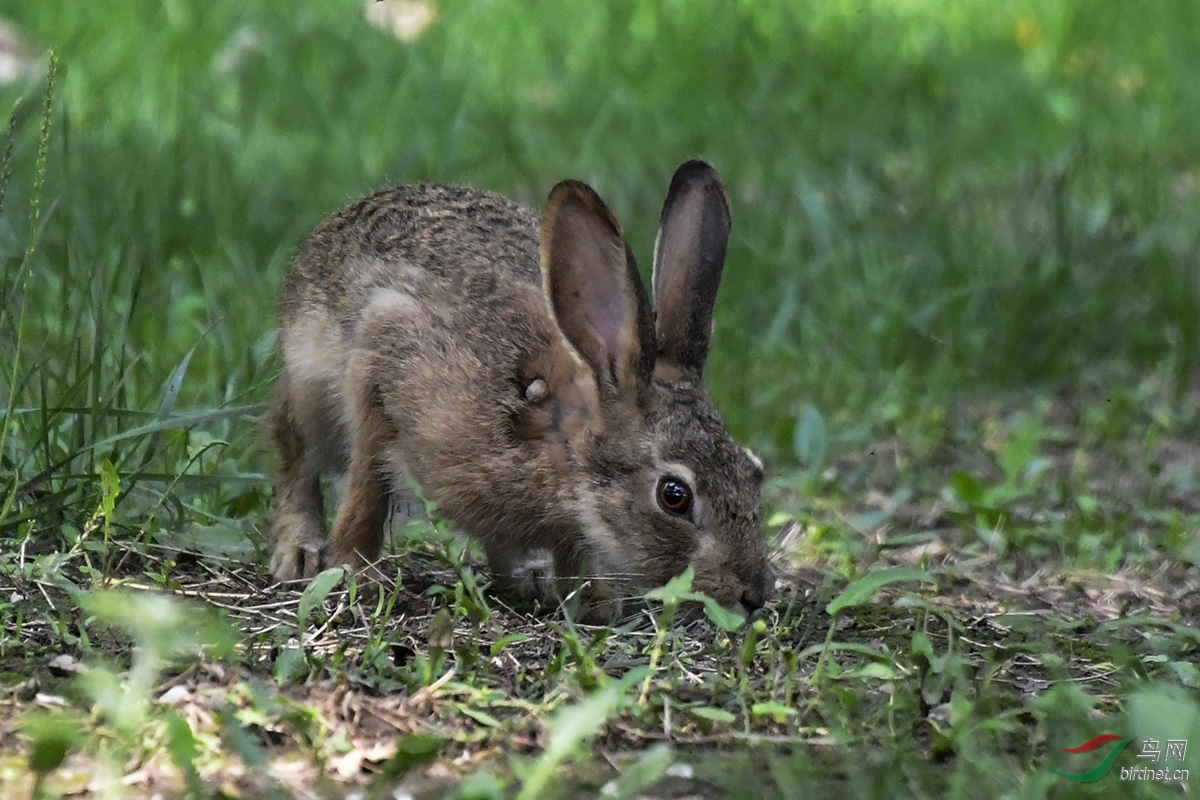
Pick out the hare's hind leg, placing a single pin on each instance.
(358, 530)
(298, 530)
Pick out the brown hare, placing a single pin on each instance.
(514, 369)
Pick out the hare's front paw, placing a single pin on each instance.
(298, 545)
(531, 577)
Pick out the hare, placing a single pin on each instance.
(514, 369)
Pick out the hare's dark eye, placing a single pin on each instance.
(674, 496)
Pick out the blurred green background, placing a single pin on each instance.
(932, 198)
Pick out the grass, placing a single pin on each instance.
(960, 320)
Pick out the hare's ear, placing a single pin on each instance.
(689, 255)
(594, 289)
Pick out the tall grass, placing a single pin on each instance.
(930, 197)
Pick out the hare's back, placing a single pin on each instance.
(429, 239)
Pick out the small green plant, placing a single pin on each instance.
(569, 728)
(164, 632)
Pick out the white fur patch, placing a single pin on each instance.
(537, 391)
(390, 302)
(315, 357)
(680, 471)
(601, 538)
(753, 458)
(706, 544)
(314, 352)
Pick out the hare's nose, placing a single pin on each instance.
(754, 599)
(759, 593)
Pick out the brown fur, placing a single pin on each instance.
(414, 326)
